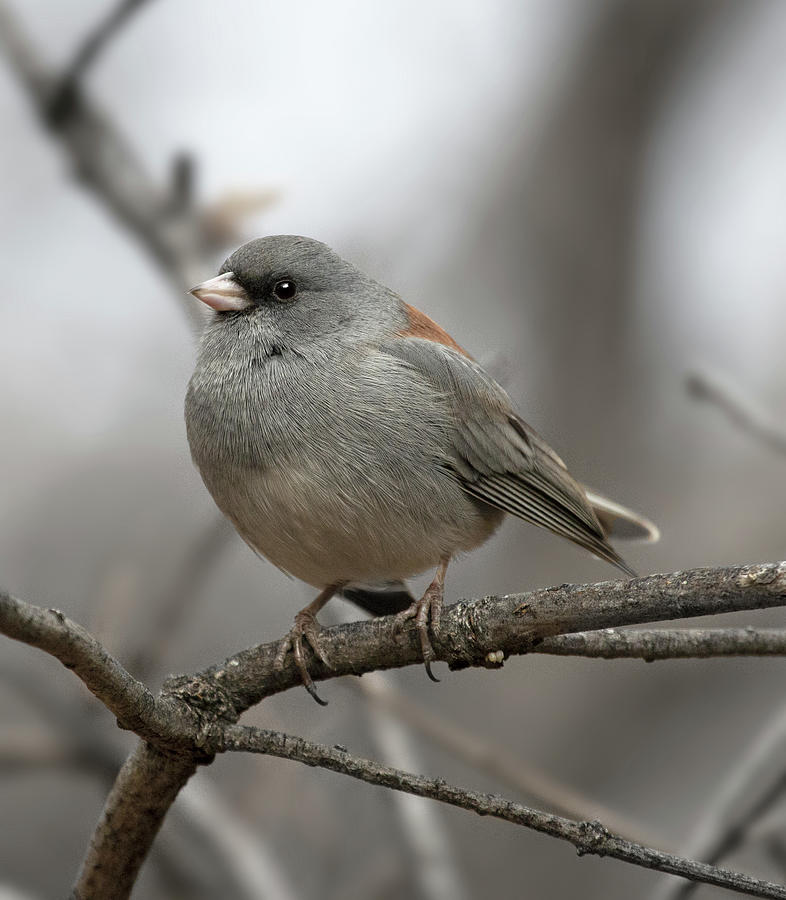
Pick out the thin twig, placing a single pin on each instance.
(740, 410)
(134, 705)
(586, 837)
(653, 644)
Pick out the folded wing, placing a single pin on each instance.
(498, 458)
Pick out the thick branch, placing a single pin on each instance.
(586, 837)
(135, 808)
(516, 623)
(469, 632)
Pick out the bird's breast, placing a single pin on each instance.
(333, 471)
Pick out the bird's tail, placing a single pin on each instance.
(381, 599)
(619, 522)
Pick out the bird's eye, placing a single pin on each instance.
(285, 289)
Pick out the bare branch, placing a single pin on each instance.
(134, 705)
(586, 837)
(135, 808)
(191, 713)
(105, 163)
(180, 237)
(515, 623)
(653, 644)
(91, 48)
(740, 410)
(469, 632)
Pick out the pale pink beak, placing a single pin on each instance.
(222, 293)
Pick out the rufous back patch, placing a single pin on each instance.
(419, 325)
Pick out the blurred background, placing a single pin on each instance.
(591, 196)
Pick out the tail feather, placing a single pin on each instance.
(383, 599)
(619, 522)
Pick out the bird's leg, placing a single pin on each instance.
(306, 626)
(427, 611)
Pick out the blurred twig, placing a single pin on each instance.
(180, 237)
(31, 747)
(494, 760)
(755, 783)
(741, 411)
(434, 863)
(168, 612)
(253, 867)
(87, 53)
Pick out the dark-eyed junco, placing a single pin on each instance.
(354, 443)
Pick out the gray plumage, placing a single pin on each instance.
(344, 450)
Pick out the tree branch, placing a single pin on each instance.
(513, 624)
(134, 810)
(586, 837)
(653, 644)
(105, 163)
(188, 722)
(134, 705)
(469, 632)
(91, 48)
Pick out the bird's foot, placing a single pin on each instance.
(426, 612)
(306, 626)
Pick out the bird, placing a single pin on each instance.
(353, 443)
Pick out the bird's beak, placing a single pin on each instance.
(222, 293)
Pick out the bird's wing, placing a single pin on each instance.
(497, 457)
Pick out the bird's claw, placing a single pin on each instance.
(425, 612)
(306, 626)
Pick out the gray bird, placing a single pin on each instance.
(353, 443)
